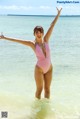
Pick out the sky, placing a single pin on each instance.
(39, 7)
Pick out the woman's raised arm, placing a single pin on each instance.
(48, 34)
(28, 43)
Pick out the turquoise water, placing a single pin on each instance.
(17, 62)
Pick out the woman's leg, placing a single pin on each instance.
(39, 82)
(47, 82)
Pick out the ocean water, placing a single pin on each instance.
(17, 63)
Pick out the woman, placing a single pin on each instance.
(43, 68)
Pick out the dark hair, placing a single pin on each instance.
(38, 28)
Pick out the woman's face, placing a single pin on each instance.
(38, 35)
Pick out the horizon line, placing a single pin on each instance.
(37, 15)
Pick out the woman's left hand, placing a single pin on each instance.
(59, 11)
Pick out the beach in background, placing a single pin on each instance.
(17, 63)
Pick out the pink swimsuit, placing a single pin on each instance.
(43, 62)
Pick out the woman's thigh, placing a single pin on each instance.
(38, 77)
(48, 78)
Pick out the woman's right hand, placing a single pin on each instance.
(1, 36)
